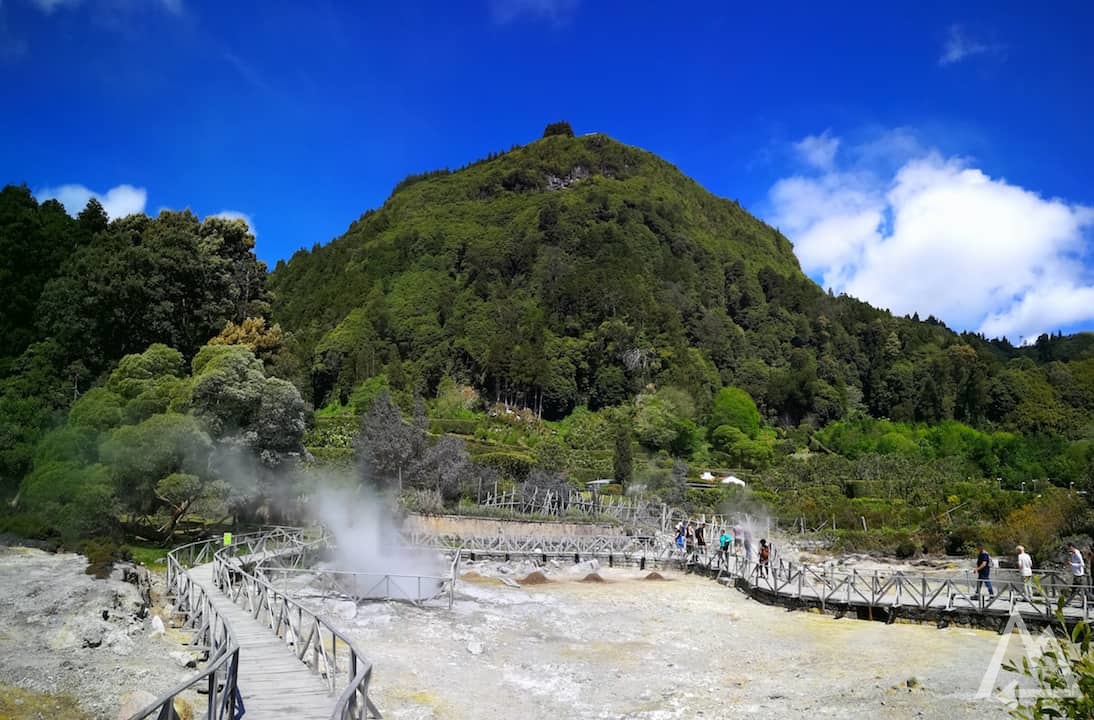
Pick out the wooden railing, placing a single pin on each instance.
(237, 572)
(313, 640)
(211, 633)
(900, 590)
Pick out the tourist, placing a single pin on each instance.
(689, 540)
(1078, 571)
(983, 572)
(725, 542)
(765, 557)
(1088, 560)
(680, 535)
(1025, 568)
(700, 541)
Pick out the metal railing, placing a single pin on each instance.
(583, 545)
(211, 633)
(367, 585)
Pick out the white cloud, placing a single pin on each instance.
(48, 6)
(818, 150)
(117, 201)
(960, 45)
(556, 12)
(236, 215)
(175, 7)
(940, 237)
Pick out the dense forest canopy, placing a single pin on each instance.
(575, 271)
(571, 309)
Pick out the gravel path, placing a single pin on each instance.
(684, 647)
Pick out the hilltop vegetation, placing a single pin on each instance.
(569, 310)
(580, 272)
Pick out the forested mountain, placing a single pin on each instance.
(577, 270)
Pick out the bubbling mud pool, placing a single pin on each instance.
(626, 647)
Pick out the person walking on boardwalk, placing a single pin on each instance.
(1025, 568)
(1078, 570)
(700, 540)
(689, 540)
(765, 557)
(1088, 560)
(725, 545)
(983, 572)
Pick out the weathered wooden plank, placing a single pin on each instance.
(272, 682)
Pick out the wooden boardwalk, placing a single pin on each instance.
(272, 681)
(891, 596)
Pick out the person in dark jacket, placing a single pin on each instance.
(983, 572)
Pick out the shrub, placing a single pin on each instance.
(101, 554)
(558, 128)
(515, 466)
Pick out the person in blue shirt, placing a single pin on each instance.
(983, 571)
(725, 543)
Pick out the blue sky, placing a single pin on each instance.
(930, 157)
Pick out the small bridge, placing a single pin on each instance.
(266, 655)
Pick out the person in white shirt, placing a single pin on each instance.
(1025, 567)
(1078, 570)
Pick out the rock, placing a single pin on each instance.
(475, 647)
(133, 702)
(86, 632)
(119, 642)
(183, 709)
(184, 659)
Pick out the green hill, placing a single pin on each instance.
(572, 270)
(578, 270)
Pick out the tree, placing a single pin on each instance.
(75, 499)
(179, 492)
(622, 452)
(228, 385)
(140, 456)
(387, 444)
(558, 128)
(137, 281)
(444, 467)
(267, 343)
(734, 407)
(663, 421)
